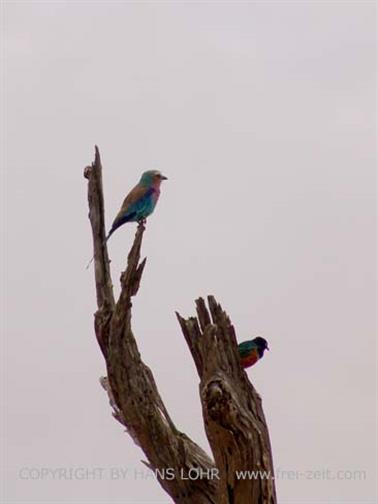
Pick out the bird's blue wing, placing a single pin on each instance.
(136, 206)
(141, 207)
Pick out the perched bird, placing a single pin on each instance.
(251, 351)
(141, 201)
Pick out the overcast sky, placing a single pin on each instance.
(262, 116)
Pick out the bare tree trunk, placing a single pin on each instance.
(234, 419)
(232, 411)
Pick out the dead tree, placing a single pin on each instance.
(232, 411)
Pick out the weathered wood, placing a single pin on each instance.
(130, 384)
(232, 410)
(104, 286)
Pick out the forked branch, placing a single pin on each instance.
(130, 384)
(232, 411)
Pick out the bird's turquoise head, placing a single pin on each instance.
(152, 178)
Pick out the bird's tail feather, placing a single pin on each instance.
(90, 262)
(106, 239)
(116, 224)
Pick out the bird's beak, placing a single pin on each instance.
(163, 177)
(267, 348)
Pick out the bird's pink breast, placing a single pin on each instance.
(156, 194)
(156, 188)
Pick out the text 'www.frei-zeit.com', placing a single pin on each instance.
(171, 473)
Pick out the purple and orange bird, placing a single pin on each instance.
(251, 351)
(141, 201)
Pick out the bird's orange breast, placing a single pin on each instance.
(251, 359)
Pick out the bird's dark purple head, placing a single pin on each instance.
(262, 345)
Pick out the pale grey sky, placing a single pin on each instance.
(262, 115)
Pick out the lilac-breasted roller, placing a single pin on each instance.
(141, 201)
(251, 351)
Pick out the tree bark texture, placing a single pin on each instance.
(232, 411)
